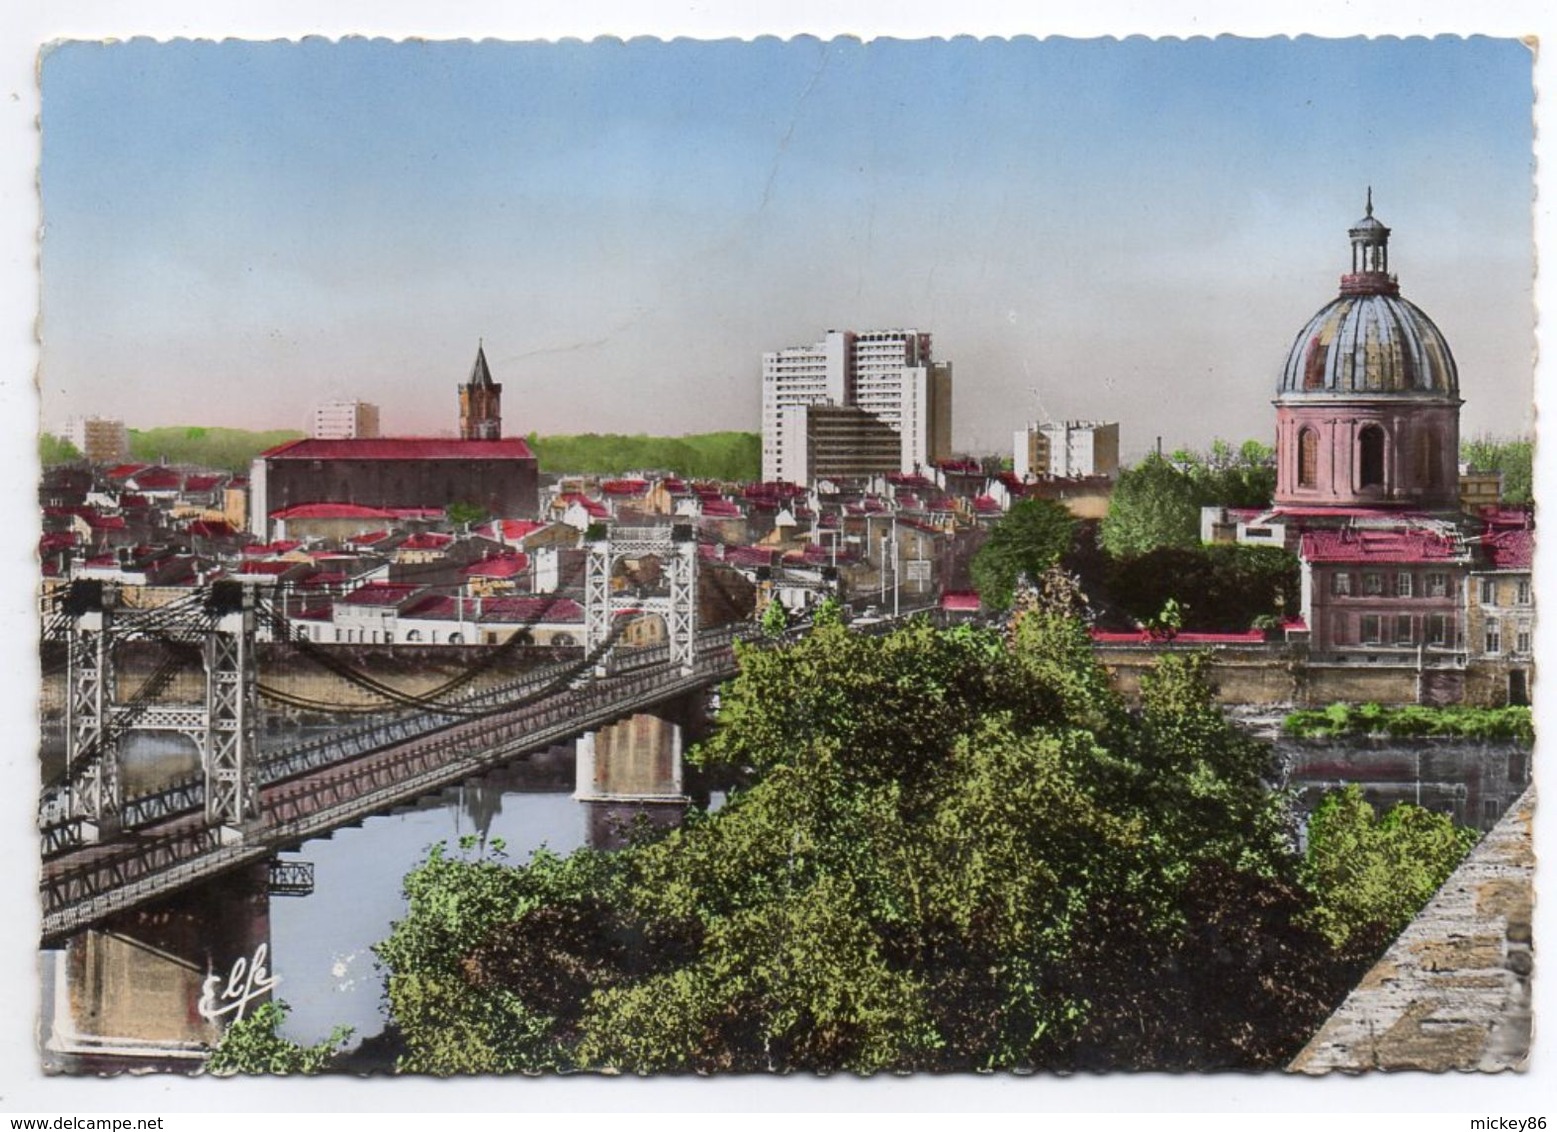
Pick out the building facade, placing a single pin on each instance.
(100, 440)
(345, 420)
(1067, 449)
(498, 476)
(889, 375)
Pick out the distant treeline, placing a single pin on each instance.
(707, 455)
(229, 448)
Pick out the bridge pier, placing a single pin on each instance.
(127, 993)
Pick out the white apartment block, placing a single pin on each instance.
(1070, 449)
(345, 420)
(889, 374)
(101, 441)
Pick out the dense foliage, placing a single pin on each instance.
(1413, 721)
(1027, 540)
(232, 449)
(709, 455)
(1512, 457)
(961, 851)
(1371, 874)
(1157, 502)
(1221, 588)
(56, 450)
(252, 1045)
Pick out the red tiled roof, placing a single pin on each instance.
(592, 508)
(201, 483)
(1382, 545)
(624, 487)
(104, 522)
(955, 601)
(1142, 637)
(985, 504)
(272, 569)
(123, 471)
(721, 509)
(402, 448)
(380, 593)
(504, 567)
(514, 528)
(329, 511)
(58, 540)
(1510, 550)
(748, 556)
(157, 479)
(368, 538)
(426, 540)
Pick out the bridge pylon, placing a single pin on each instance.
(91, 742)
(223, 725)
(230, 742)
(676, 548)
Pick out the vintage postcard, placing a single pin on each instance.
(821, 555)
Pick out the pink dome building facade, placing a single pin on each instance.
(1368, 409)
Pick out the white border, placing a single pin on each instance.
(25, 24)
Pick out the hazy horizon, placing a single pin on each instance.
(1128, 230)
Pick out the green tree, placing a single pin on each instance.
(1027, 540)
(775, 619)
(1370, 875)
(56, 450)
(461, 514)
(253, 1045)
(1154, 504)
(1221, 588)
(960, 851)
(1511, 456)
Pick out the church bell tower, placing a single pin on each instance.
(481, 403)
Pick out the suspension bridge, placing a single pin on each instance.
(106, 853)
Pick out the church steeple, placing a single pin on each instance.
(481, 400)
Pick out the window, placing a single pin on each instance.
(1491, 810)
(1308, 458)
(1522, 596)
(1371, 634)
(1437, 585)
(1341, 583)
(1518, 770)
(1489, 591)
(1370, 456)
(413, 635)
(1403, 627)
(1373, 583)
(1522, 638)
(1437, 629)
(1494, 637)
(1403, 584)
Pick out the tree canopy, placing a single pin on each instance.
(708, 455)
(1027, 540)
(1223, 588)
(961, 851)
(1154, 504)
(1157, 502)
(56, 450)
(1511, 456)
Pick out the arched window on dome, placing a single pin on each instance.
(1308, 458)
(1370, 456)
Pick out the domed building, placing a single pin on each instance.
(1368, 408)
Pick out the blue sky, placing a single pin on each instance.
(1134, 229)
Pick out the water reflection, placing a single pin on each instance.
(321, 943)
